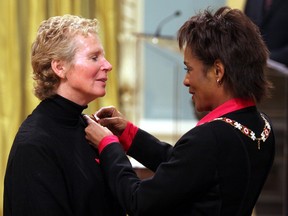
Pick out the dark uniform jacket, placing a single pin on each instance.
(214, 169)
(273, 24)
(52, 169)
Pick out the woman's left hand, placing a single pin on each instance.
(95, 132)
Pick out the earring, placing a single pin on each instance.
(219, 82)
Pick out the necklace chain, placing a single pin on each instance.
(248, 132)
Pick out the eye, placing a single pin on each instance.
(95, 58)
(187, 69)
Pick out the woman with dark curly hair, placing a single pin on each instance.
(219, 167)
(50, 171)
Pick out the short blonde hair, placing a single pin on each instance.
(55, 40)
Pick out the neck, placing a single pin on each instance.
(231, 105)
(74, 97)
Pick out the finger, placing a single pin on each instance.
(94, 117)
(89, 141)
(105, 112)
(88, 119)
(108, 122)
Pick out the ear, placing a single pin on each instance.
(219, 69)
(58, 66)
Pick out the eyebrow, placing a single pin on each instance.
(97, 52)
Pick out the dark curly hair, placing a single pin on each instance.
(230, 36)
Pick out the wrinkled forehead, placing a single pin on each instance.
(90, 42)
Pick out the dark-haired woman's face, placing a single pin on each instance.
(202, 85)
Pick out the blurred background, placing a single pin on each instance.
(139, 38)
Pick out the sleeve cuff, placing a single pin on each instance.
(106, 141)
(128, 135)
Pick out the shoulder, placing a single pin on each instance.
(203, 136)
(206, 131)
(34, 134)
(35, 126)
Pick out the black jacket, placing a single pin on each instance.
(212, 170)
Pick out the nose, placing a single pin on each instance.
(186, 81)
(106, 65)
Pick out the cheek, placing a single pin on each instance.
(92, 71)
(88, 72)
(192, 81)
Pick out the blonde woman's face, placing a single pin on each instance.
(86, 79)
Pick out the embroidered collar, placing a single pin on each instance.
(229, 106)
(248, 132)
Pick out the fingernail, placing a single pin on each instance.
(96, 117)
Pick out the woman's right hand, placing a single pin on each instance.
(111, 118)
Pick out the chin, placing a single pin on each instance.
(101, 94)
(96, 95)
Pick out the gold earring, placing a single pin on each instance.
(219, 82)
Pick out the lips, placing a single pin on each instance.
(102, 80)
(192, 93)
